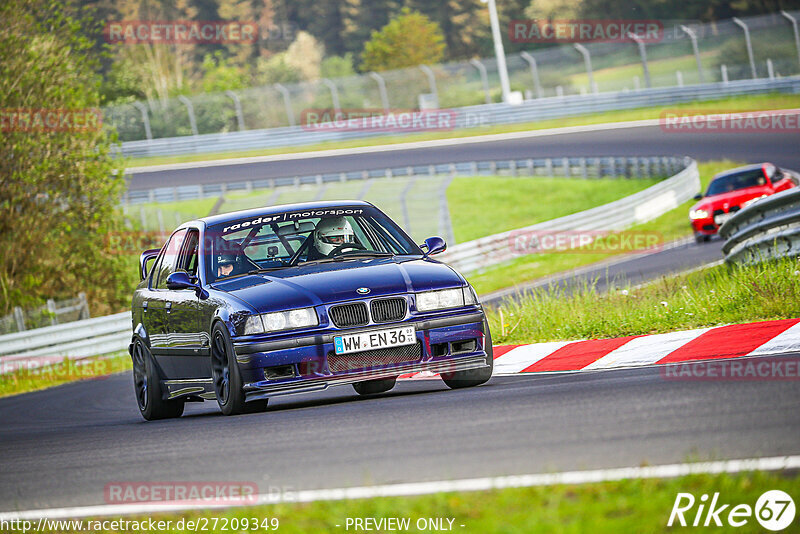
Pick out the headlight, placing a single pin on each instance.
(286, 320)
(447, 298)
(698, 214)
(745, 204)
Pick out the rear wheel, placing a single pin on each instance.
(473, 377)
(371, 387)
(227, 377)
(147, 387)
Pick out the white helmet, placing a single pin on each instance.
(331, 233)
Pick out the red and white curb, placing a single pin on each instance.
(722, 342)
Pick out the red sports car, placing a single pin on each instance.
(732, 190)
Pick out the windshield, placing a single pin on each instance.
(286, 240)
(734, 182)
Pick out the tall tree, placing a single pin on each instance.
(408, 40)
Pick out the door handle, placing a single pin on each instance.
(168, 306)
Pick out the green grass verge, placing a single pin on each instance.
(484, 205)
(742, 103)
(672, 225)
(26, 380)
(621, 506)
(707, 297)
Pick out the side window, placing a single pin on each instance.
(188, 260)
(169, 258)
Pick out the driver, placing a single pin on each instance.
(225, 264)
(331, 234)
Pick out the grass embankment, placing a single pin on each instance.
(733, 104)
(708, 297)
(22, 380)
(619, 506)
(672, 225)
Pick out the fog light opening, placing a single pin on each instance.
(461, 347)
(278, 372)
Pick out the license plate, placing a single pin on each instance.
(377, 339)
(722, 217)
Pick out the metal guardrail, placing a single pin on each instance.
(485, 115)
(637, 208)
(75, 340)
(767, 229)
(584, 167)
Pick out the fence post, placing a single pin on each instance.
(587, 60)
(190, 110)
(793, 21)
(445, 224)
(382, 90)
(51, 310)
(19, 317)
(287, 103)
(431, 81)
(693, 37)
(724, 70)
(334, 94)
(404, 203)
(145, 119)
(749, 45)
(84, 306)
(770, 69)
(643, 54)
(534, 72)
(484, 78)
(238, 107)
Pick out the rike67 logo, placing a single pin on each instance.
(774, 510)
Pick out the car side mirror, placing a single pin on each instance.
(180, 280)
(183, 280)
(434, 245)
(698, 196)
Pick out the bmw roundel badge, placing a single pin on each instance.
(362, 290)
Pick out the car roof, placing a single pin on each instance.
(739, 170)
(280, 208)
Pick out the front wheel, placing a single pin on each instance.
(227, 377)
(147, 387)
(473, 377)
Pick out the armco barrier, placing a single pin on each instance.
(75, 340)
(769, 228)
(637, 208)
(484, 115)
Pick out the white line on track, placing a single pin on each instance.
(776, 463)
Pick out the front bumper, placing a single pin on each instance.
(306, 357)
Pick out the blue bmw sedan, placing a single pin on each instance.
(289, 299)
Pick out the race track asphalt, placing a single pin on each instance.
(61, 446)
(780, 148)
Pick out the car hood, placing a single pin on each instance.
(323, 283)
(732, 198)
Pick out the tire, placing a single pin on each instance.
(372, 387)
(227, 377)
(701, 238)
(473, 377)
(147, 387)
